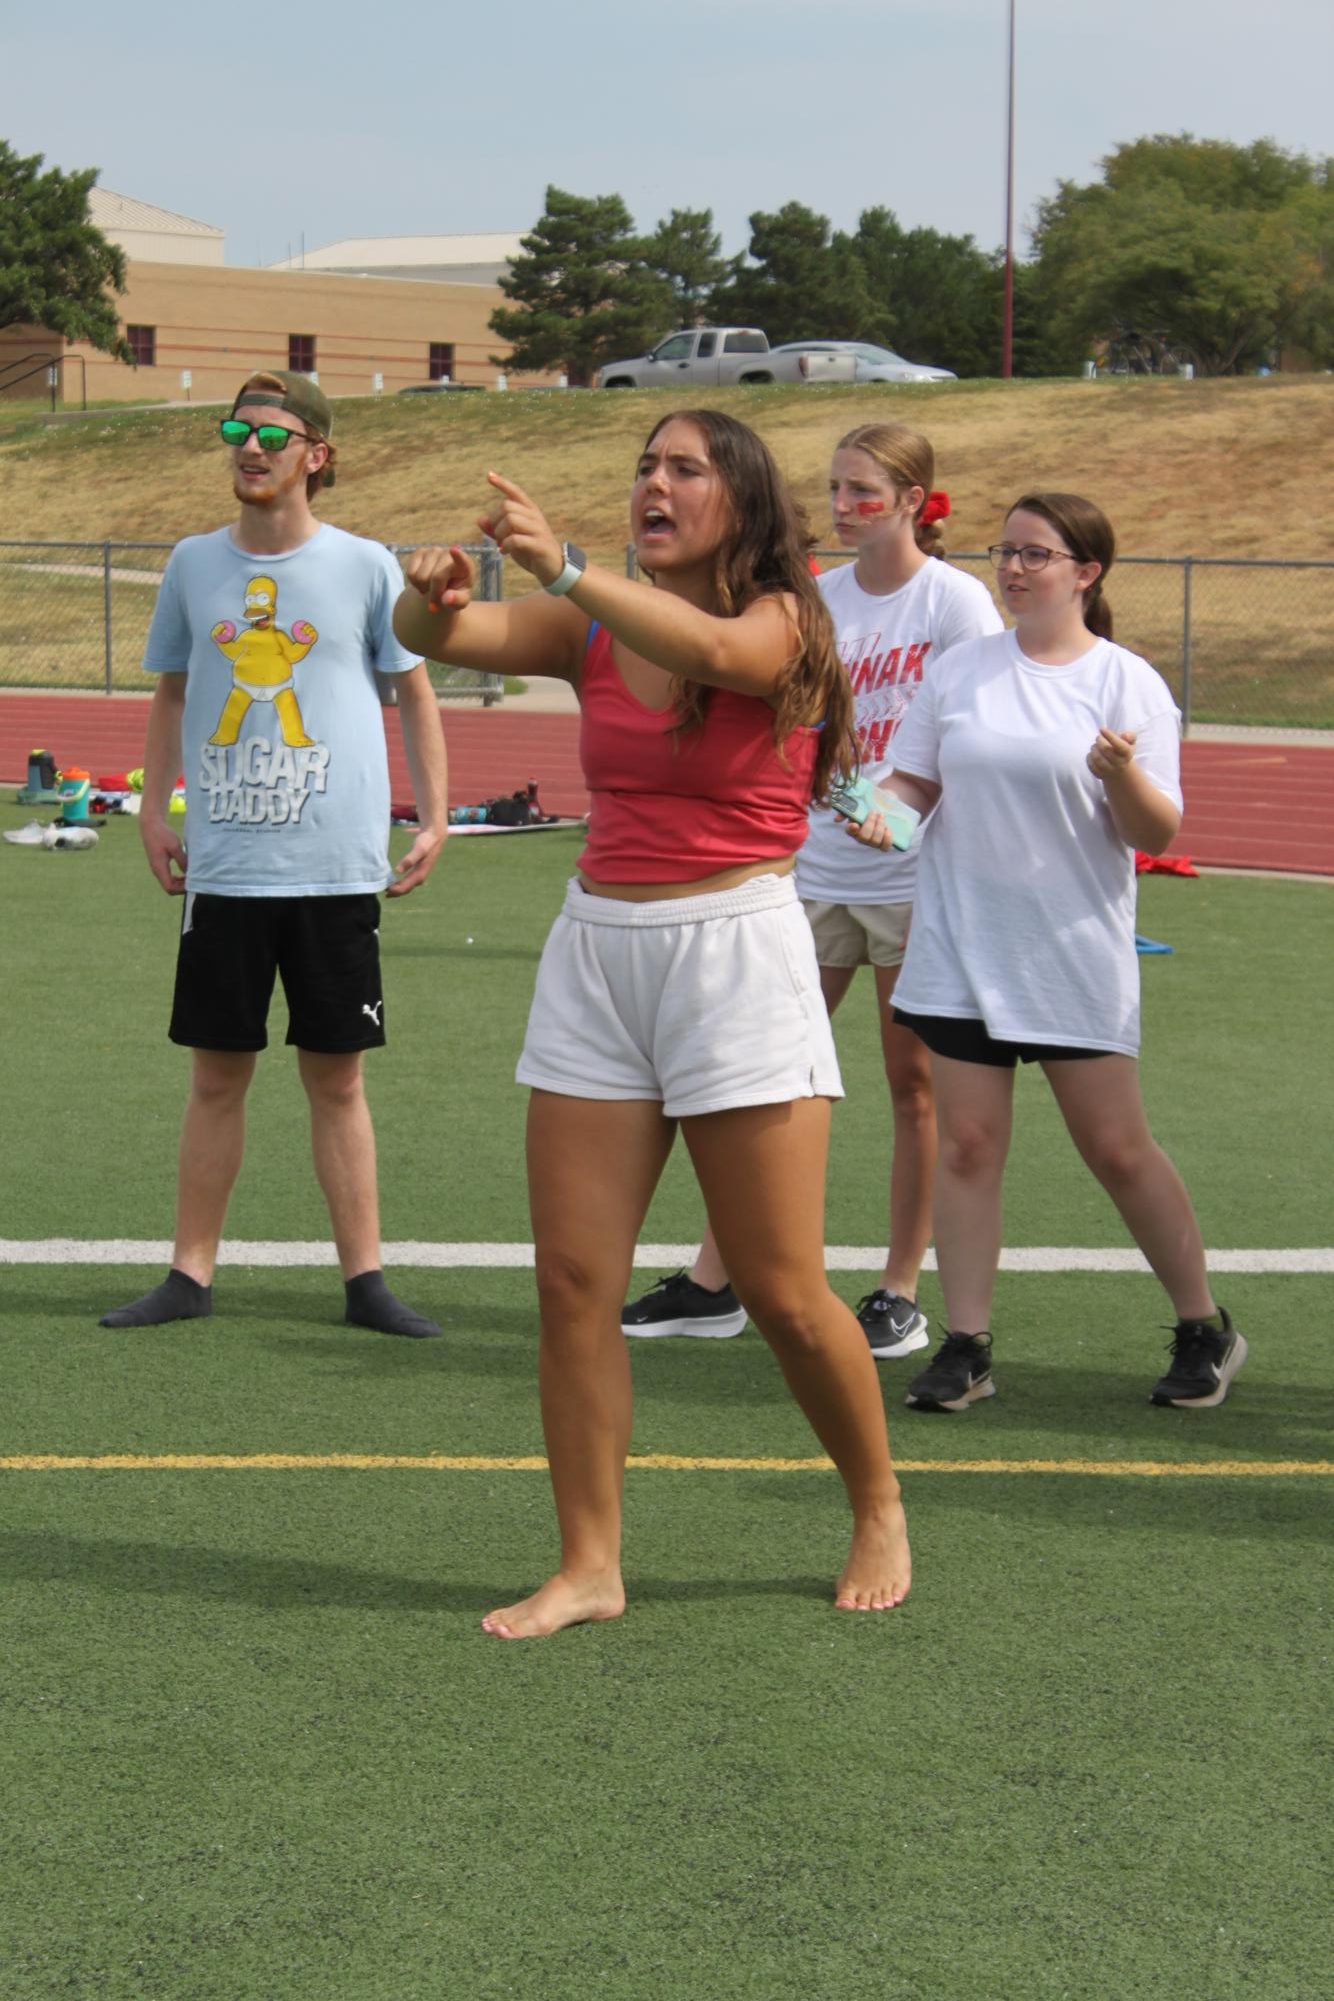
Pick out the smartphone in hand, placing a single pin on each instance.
(857, 800)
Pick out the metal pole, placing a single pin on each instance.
(1007, 322)
(106, 608)
(1186, 575)
(631, 561)
(493, 590)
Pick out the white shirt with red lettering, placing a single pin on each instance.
(885, 643)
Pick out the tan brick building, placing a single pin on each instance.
(198, 326)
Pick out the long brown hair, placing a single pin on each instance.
(763, 553)
(1087, 534)
(906, 459)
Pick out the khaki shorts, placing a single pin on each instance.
(859, 934)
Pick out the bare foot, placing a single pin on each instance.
(561, 1601)
(879, 1566)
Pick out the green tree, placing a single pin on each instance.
(1306, 316)
(582, 291)
(800, 283)
(1214, 173)
(686, 252)
(1038, 348)
(56, 269)
(1223, 250)
(937, 293)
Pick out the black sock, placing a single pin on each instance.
(370, 1303)
(179, 1297)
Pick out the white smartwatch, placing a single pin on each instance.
(576, 562)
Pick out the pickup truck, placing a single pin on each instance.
(714, 355)
(726, 355)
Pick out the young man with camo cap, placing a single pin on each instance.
(267, 639)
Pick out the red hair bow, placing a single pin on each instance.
(936, 508)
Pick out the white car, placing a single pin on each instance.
(859, 361)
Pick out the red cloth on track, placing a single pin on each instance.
(1163, 864)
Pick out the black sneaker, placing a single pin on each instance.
(1202, 1366)
(892, 1325)
(676, 1305)
(959, 1373)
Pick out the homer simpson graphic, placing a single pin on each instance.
(262, 660)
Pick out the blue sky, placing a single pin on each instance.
(427, 120)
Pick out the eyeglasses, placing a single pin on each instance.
(235, 431)
(1031, 557)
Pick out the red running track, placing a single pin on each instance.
(490, 750)
(1259, 805)
(1248, 805)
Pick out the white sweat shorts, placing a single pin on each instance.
(701, 1003)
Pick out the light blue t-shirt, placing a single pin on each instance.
(286, 772)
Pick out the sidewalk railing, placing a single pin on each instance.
(1241, 640)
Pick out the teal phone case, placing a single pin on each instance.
(859, 799)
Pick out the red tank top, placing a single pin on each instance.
(678, 806)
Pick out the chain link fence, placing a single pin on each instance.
(1240, 641)
(75, 615)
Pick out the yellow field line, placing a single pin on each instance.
(659, 1462)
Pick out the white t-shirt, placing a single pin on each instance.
(884, 643)
(1025, 910)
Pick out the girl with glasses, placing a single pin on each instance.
(679, 983)
(895, 611)
(1050, 754)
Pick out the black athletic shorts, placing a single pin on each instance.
(967, 1041)
(325, 949)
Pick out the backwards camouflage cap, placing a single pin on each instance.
(280, 389)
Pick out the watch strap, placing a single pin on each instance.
(575, 564)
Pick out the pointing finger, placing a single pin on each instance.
(508, 487)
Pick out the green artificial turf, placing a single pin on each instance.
(275, 1370)
(254, 1746)
(94, 1090)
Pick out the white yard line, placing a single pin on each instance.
(275, 1254)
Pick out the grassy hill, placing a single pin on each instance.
(1205, 468)
(1221, 469)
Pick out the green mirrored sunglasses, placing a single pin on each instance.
(272, 437)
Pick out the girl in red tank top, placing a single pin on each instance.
(678, 985)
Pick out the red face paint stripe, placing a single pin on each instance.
(865, 507)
